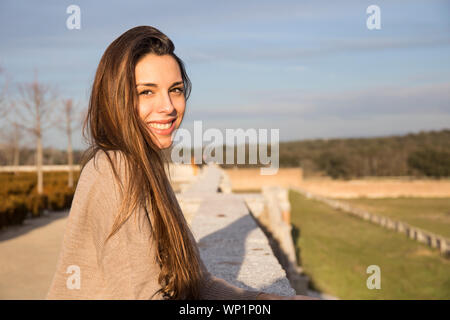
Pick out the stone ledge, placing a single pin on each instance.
(234, 248)
(231, 244)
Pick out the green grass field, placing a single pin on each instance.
(336, 249)
(432, 214)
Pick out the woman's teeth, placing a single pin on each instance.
(161, 125)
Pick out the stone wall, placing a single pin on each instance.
(272, 209)
(251, 179)
(377, 187)
(231, 243)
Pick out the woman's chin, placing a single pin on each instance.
(164, 144)
(165, 147)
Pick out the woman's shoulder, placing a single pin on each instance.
(102, 160)
(99, 169)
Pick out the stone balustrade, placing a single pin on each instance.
(231, 243)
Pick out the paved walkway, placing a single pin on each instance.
(28, 255)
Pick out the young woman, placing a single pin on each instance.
(126, 236)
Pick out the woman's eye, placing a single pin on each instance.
(178, 90)
(149, 92)
(145, 93)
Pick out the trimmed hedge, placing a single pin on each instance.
(59, 197)
(19, 197)
(36, 203)
(13, 210)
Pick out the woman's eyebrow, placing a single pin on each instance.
(147, 84)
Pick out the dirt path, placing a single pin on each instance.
(28, 255)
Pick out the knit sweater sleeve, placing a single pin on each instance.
(126, 260)
(121, 268)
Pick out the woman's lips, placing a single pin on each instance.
(162, 127)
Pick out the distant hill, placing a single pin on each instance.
(414, 154)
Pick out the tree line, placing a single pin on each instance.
(425, 154)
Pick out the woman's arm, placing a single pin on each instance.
(86, 268)
(127, 260)
(269, 296)
(215, 288)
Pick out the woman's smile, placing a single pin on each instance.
(162, 127)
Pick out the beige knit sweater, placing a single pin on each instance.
(127, 269)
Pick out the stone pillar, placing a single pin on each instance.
(445, 247)
(278, 216)
(434, 241)
(402, 227)
(412, 233)
(422, 237)
(375, 219)
(225, 184)
(285, 206)
(390, 224)
(366, 216)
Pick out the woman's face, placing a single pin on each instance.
(161, 96)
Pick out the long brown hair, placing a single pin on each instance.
(114, 124)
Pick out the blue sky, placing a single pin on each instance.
(309, 68)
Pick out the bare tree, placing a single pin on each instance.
(3, 110)
(13, 139)
(17, 137)
(33, 109)
(68, 121)
(3, 91)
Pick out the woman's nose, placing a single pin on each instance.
(166, 105)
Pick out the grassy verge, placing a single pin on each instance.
(432, 214)
(336, 249)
